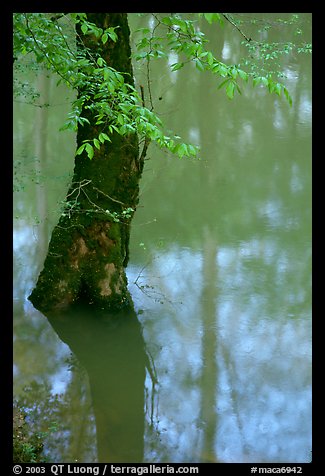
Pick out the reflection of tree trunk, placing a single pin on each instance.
(79, 416)
(209, 348)
(88, 250)
(112, 350)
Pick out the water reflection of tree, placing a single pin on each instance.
(112, 350)
(209, 372)
(104, 399)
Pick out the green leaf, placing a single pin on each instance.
(107, 74)
(102, 137)
(242, 74)
(141, 55)
(177, 66)
(183, 25)
(287, 95)
(95, 30)
(81, 149)
(84, 28)
(181, 150)
(111, 33)
(192, 149)
(104, 38)
(120, 119)
(223, 83)
(96, 144)
(112, 128)
(264, 81)
(144, 31)
(261, 79)
(230, 89)
(234, 72)
(199, 64)
(118, 77)
(167, 21)
(220, 69)
(278, 89)
(213, 17)
(110, 86)
(82, 120)
(160, 54)
(143, 43)
(210, 58)
(89, 150)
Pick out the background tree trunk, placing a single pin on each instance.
(88, 251)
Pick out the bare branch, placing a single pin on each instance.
(231, 21)
(146, 139)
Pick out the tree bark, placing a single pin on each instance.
(88, 250)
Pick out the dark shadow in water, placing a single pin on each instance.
(111, 348)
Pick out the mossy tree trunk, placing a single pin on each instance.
(88, 250)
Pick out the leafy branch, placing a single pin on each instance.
(116, 104)
(118, 108)
(184, 38)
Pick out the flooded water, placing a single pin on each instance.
(215, 366)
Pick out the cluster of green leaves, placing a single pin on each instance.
(115, 104)
(263, 58)
(184, 38)
(126, 214)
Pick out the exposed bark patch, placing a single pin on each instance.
(62, 286)
(103, 240)
(79, 250)
(105, 284)
(67, 296)
(120, 283)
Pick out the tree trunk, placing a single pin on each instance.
(88, 251)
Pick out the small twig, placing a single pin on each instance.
(90, 201)
(111, 198)
(236, 26)
(140, 272)
(142, 96)
(146, 139)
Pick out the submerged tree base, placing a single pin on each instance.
(86, 262)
